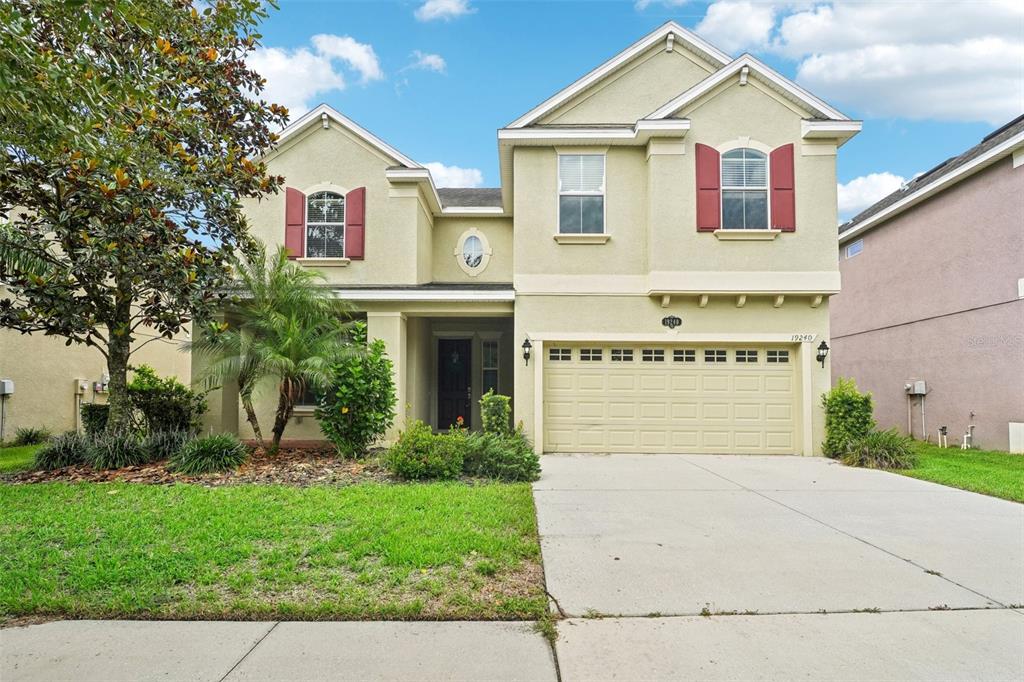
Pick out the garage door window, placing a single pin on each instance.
(747, 356)
(653, 355)
(559, 355)
(590, 354)
(684, 355)
(714, 355)
(622, 355)
(777, 356)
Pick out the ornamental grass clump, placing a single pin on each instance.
(221, 452)
(115, 451)
(881, 450)
(30, 435)
(61, 451)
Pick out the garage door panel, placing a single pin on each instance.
(694, 406)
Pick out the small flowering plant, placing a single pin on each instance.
(459, 422)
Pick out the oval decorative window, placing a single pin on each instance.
(472, 252)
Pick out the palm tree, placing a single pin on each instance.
(284, 324)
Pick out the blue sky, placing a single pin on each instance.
(437, 78)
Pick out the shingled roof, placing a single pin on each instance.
(990, 141)
(465, 197)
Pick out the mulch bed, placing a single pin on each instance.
(290, 466)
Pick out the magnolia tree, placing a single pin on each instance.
(129, 129)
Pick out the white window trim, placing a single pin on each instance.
(484, 243)
(603, 193)
(767, 189)
(859, 242)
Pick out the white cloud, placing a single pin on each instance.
(454, 176)
(917, 60)
(295, 77)
(644, 4)
(859, 193)
(733, 25)
(447, 10)
(358, 56)
(427, 62)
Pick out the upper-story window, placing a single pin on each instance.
(325, 225)
(581, 193)
(744, 190)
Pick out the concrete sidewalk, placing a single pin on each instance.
(110, 651)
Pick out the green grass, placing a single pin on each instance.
(17, 458)
(270, 552)
(991, 472)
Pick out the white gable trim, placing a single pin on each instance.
(659, 34)
(334, 115)
(763, 71)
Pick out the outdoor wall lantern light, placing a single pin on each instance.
(822, 352)
(527, 347)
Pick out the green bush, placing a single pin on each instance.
(165, 444)
(62, 451)
(881, 450)
(94, 417)
(165, 404)
(419, 454)
(495, 413)
(115, 451)
(506, 457)
(29, 435)
(848, 417)
(222, 452)
(360, 406)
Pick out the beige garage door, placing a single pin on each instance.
(648, 398)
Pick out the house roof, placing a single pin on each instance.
(692, 40)
(994, 146)
(464, 197)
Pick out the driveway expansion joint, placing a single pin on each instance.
(251, 649)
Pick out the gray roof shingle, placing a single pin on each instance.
(465, 197)
(993, 139)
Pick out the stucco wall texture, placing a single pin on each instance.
(934, 296)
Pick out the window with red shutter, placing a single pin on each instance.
(783, 199)
(355, 223)
(295, 222)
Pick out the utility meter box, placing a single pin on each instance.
(81, 386)
(6, 386)
(916, 388)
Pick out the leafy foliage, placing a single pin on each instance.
(62, 451)
(282, 324)
(115, 450)
(419, 454)
(502, 456)
(94, 417)
(129, 129)
(221, 452)
(848, 417)
(165, 404)
(495, 413)
(30, 435)
(360, 405)
(881, 450)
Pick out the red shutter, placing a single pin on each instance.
(295, 222)
(709, 192)
(355, 223)
(783, 197)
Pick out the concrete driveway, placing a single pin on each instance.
(638, 547)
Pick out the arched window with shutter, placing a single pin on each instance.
(325, 225)
(744, 189)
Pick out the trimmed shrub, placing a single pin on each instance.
(115, 451)
(62, 451)
(361, 405)
(495, 413)
(29, 435)
(506, 457)
(848, 417)
(221, 452)
(881, 450)
(165, 444)
(419, 454)
(165, 404)
(94, 417)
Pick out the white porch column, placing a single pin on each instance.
(391, 329)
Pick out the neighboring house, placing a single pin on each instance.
(663, 243)
(933, 292)
(52, 380)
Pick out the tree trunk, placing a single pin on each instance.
(254, 422)
(119, 419)
(285, 406)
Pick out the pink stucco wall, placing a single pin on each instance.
(934, 296)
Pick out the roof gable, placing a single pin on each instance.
(746, 66)
(667, 34)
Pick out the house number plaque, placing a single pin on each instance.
(671, 321)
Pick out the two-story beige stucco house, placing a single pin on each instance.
(653, 274)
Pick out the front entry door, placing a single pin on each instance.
(453, 381)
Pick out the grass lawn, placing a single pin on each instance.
(991, 472)
(445, 551)
(17, 458)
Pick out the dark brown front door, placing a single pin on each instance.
(453, 381)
